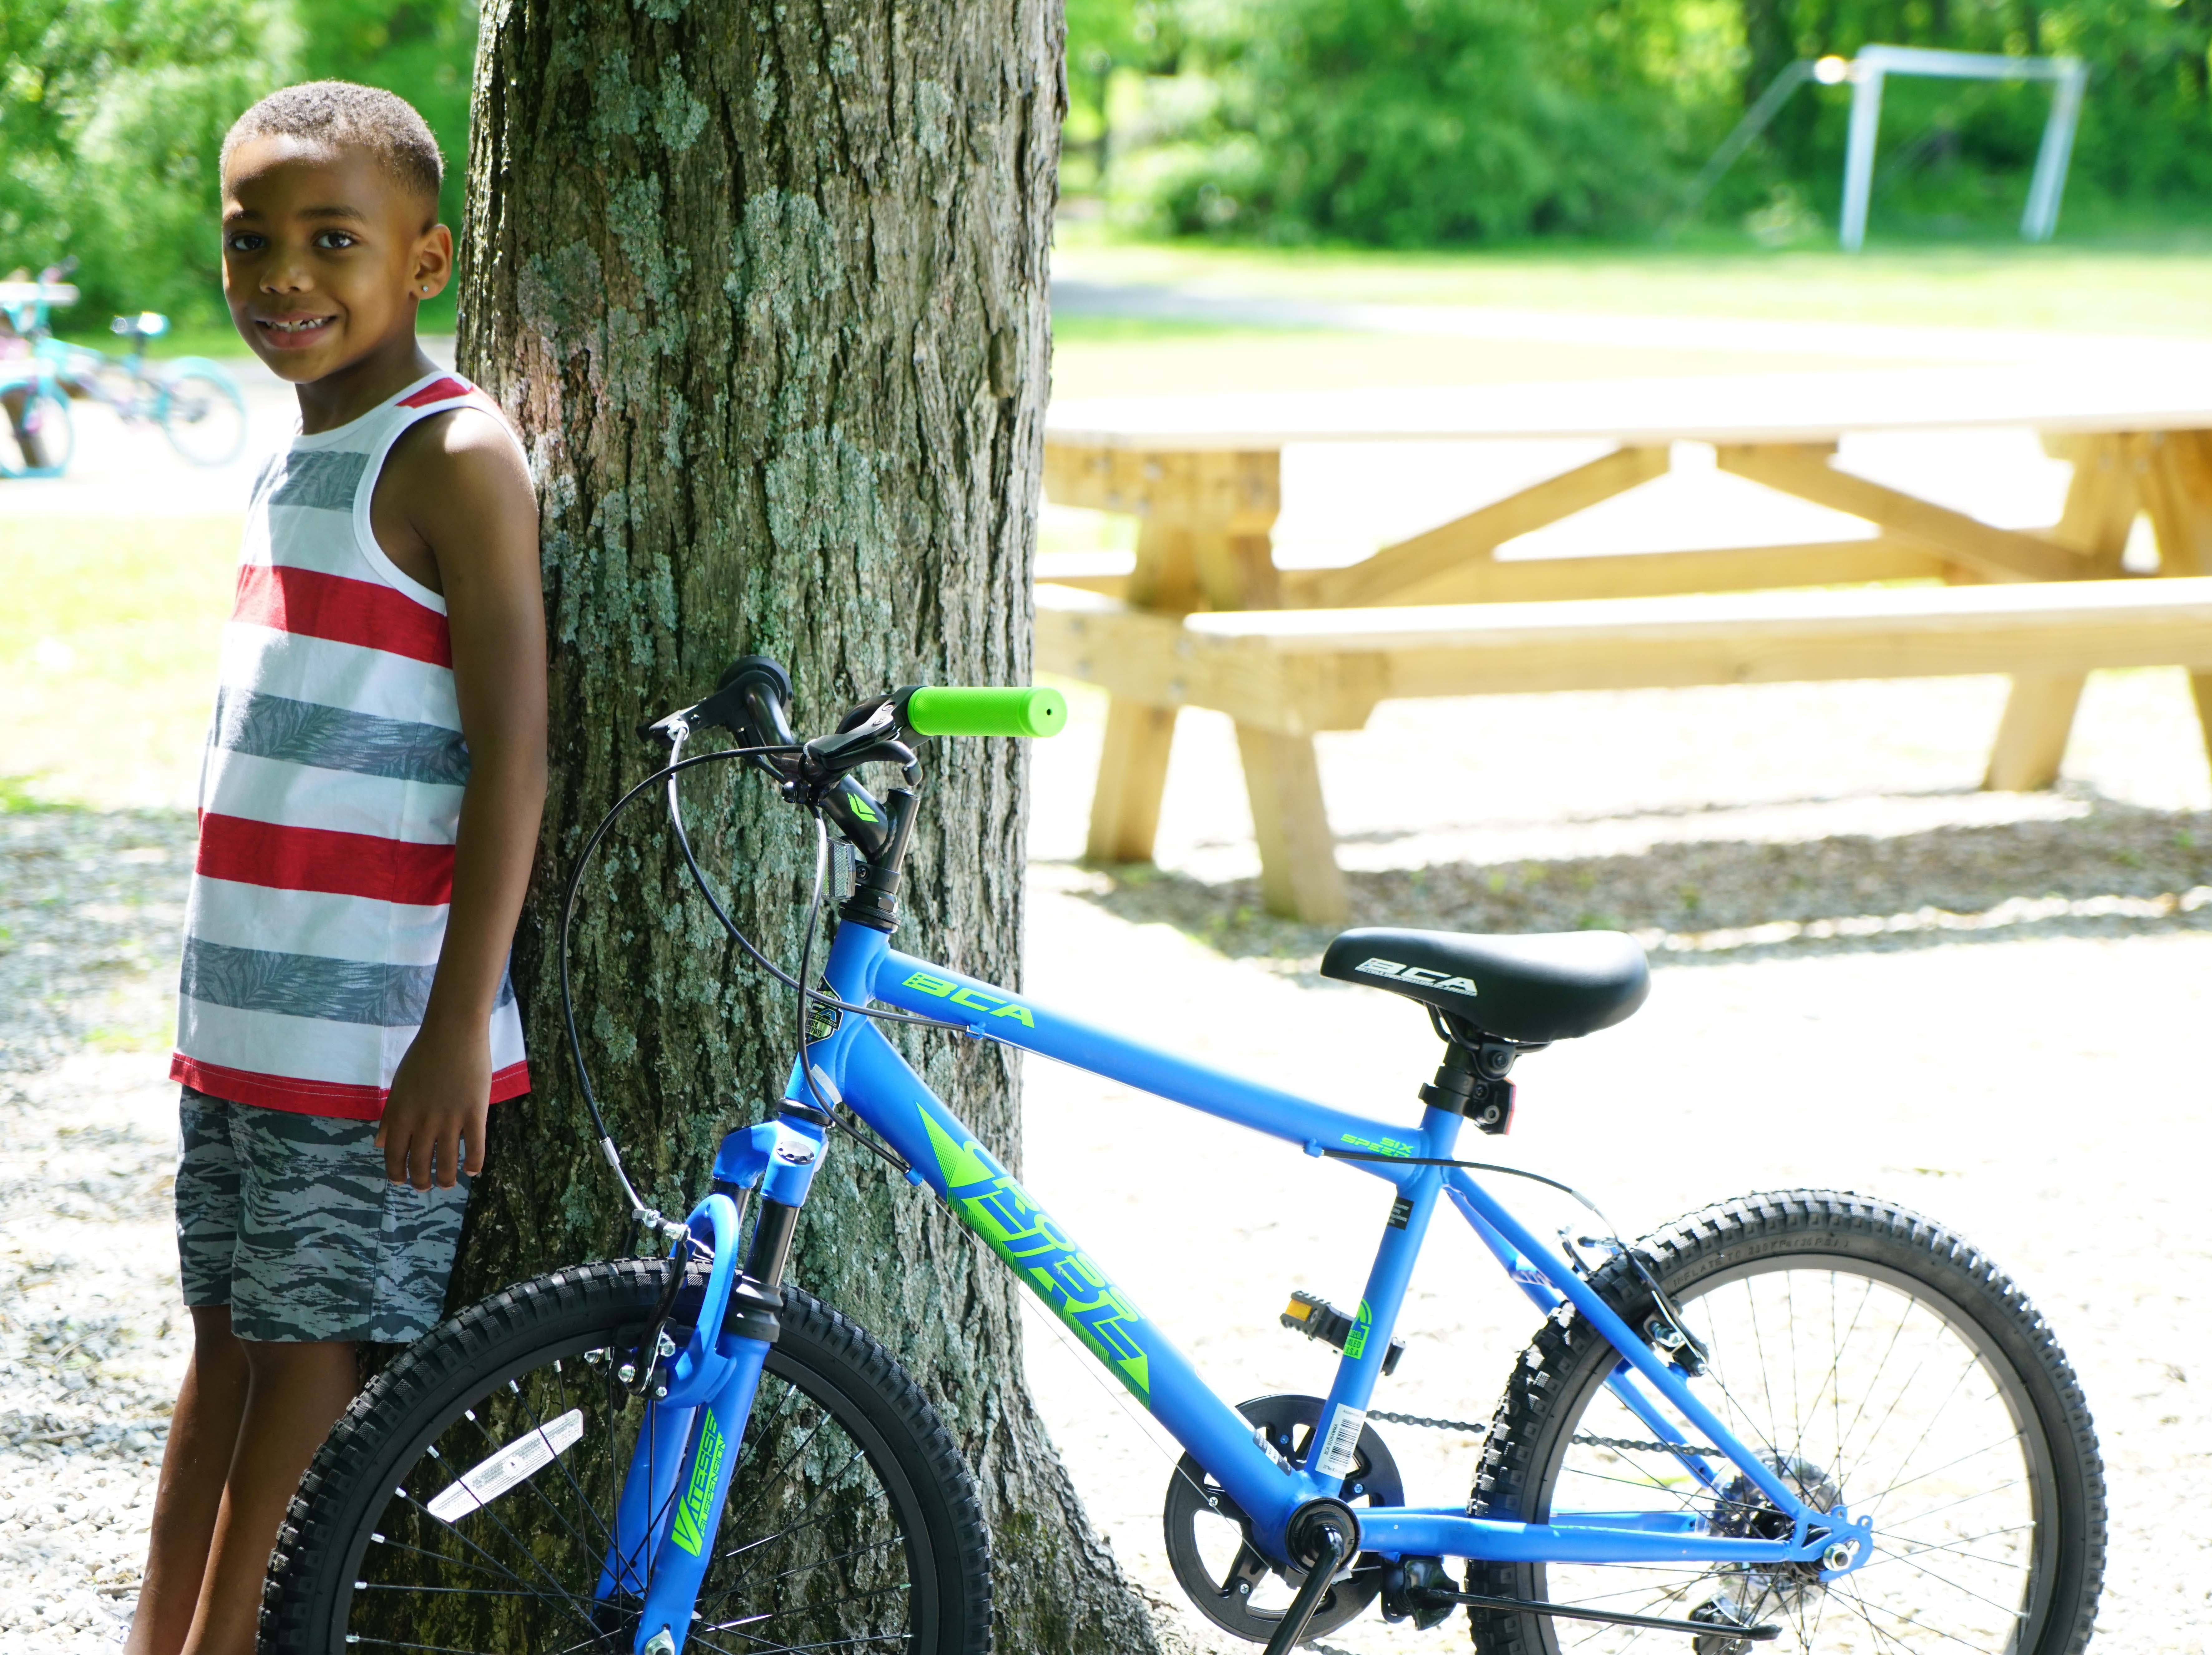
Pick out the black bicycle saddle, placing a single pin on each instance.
(1550, 986)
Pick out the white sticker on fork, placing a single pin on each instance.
(517, 1462)
(1340, 1450)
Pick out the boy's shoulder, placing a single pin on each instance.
(455, 464)
(453, 506)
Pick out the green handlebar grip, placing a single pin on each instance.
(986, 712)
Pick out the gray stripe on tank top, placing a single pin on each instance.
(338, 739)
(311, 985)
(309, 477)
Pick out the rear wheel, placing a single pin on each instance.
(851, 1522)
(1875, 1360)
(204, 417)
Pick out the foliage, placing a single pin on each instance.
(113, 112)
(1421, 122)
(1415, 122)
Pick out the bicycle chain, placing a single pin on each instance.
(1581, 1441)
(1467, 1425)
(1629, 1445)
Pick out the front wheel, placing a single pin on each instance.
(1875, 1360)
(40, 436)
(851, 1523)
(204, 414)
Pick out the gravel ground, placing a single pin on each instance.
(91, 1339)
(1994, 1009)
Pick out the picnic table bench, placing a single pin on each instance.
(1205, 617)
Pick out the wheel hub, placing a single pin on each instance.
(1750, 1594)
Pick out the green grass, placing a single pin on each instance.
(2144, 284)
(107, 645)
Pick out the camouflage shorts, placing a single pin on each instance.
(290, 1220)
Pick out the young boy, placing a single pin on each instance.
(368, 809)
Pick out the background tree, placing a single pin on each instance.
(764, 288)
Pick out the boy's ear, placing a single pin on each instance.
(434, 263)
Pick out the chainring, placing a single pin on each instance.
(1200, 1517)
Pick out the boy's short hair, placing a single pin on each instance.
(339, 111)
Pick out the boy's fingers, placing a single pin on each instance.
(395, 1155)
(449, 1155)
(473, 1163)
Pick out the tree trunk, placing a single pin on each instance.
(764, 287)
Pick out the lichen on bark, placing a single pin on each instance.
(764, 287)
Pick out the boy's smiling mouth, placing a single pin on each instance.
(292, 332)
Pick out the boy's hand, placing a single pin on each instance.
(440, 1098)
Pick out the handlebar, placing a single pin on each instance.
(753, 703)
(950, 711)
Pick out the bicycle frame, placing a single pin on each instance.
(852, 1063)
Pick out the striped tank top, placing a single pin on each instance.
(330, 797)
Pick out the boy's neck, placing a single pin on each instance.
(349, 392)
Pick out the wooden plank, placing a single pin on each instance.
(2030, 747)
(1803, 470)
(1629, 575)
(1652, 574)
(1235, 491)
(1157, 661)
(2166, 389)
(1399, 574)
(1296, 671)
(1298, 875)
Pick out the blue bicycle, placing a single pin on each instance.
(1804, 1418)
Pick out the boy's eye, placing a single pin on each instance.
(244, 241)
(332, 240)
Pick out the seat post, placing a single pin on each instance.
(1471, 1080)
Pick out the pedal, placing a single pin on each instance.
(1318, 1318)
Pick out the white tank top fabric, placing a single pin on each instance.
(330, 796)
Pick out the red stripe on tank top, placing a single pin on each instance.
(334, 1100)
(443, 389)
(363, 613)
(246, 852)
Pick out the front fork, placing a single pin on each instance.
(698, 1398)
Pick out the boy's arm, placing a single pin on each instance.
(466, 494)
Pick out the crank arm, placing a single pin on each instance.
(1757, 1634)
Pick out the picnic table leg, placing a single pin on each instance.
(2039, 715)
(1298, 875)
(1132, 774)
(2176, 475)
(1140, 738)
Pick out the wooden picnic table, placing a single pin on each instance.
(1202, 474)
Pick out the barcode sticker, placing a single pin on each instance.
(1339, 1449)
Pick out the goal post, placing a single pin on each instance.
(1875, 63)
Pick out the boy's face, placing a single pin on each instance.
(325, 254)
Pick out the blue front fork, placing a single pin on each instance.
(701, 1395)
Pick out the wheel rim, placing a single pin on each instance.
(204, 420)
(1860, 1384)
(821, 1545)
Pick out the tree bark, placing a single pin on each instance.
(764, 287)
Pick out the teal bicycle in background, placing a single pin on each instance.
(1804, 1419)
(195, 402)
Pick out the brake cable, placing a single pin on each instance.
(650, 1217)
